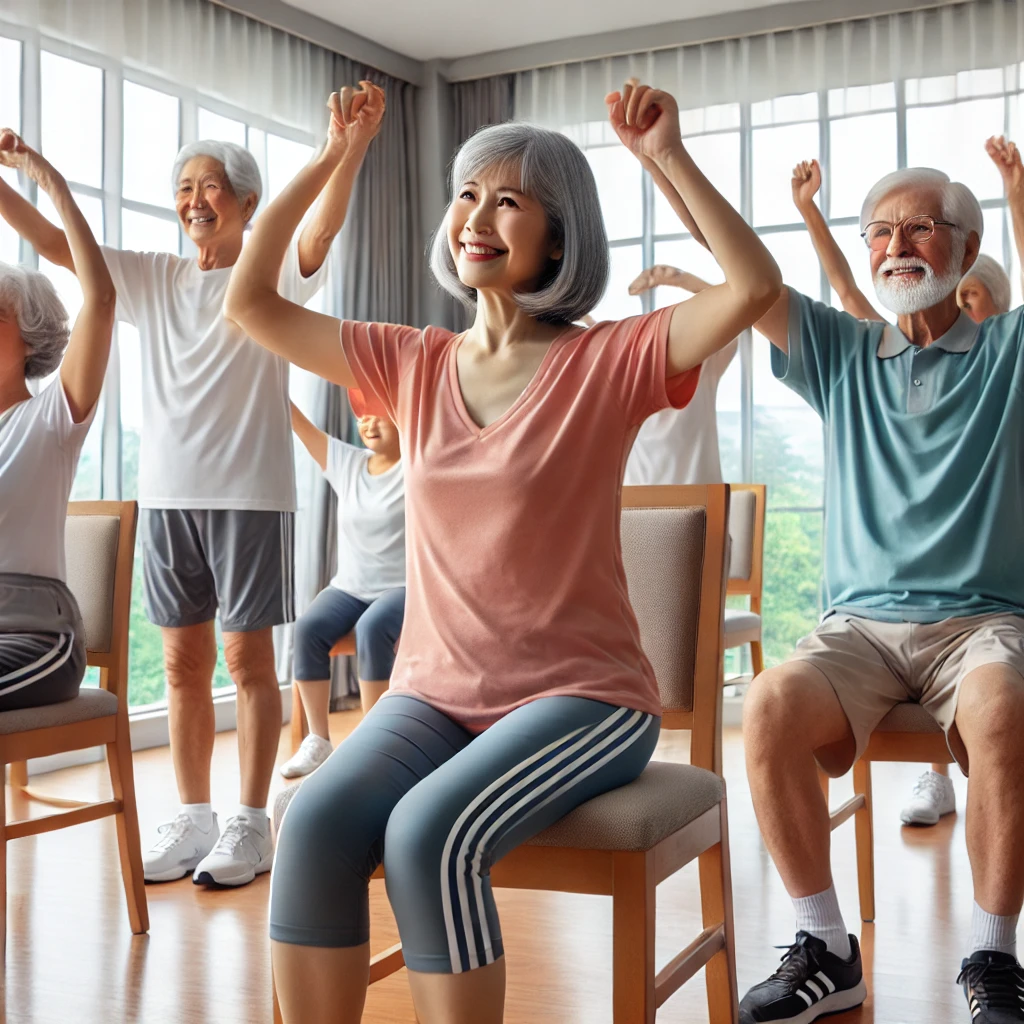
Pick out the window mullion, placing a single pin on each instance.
(746, 346)
(31, 131)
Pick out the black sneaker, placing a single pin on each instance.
(811, 983)
(994, 986)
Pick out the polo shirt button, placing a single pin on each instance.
(917, 382)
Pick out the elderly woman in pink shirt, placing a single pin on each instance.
(520, 688)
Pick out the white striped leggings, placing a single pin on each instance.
(440, 806)
(39, 668)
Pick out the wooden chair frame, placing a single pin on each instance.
(754, 587)
(920, 747)
(632, 878)
(111, 732)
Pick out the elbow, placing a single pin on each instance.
(762, 293)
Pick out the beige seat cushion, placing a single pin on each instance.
(665, 798)
(88, 705)
(908, 717)
(741, 627)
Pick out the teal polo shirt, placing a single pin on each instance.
(924, 461)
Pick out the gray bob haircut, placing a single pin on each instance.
(552, 170)
(28, 297)
(239, 166)
(959, 204)
(991, 274)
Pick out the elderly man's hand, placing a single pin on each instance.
(16, 154)
(1006, 157)
(356, 116)
(806, 182)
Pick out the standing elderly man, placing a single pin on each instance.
(924, 574)
(216, 479)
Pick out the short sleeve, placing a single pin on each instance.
(342, 461)
(292, 285)
(822, 343)
(380, 355)
(633, 353)
(55, 412)
(132, 274)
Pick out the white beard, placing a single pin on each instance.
(902, 295)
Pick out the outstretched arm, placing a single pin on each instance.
(301, 336)
(647, 122)
(45, 237)
(1006, 157)
(85, 362)
(806, 183)
(662, 274)
(313, 439)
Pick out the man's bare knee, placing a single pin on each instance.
(250, 659)
(990, 712)
(190, 656)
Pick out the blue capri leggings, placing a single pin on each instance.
(331, 615)
(439, 806)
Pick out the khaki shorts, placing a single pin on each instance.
(875, 665)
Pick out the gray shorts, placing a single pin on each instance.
(196, 562)
(873, 665)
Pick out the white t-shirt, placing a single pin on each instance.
(371, 522)
(39, 448)
(216, 428)
(680, 446)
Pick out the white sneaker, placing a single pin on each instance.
(933, 797)
(181, 846)
(242, 852)
(313, 752)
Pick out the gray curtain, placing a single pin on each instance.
(475, 105)
(375, 277)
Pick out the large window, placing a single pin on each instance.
(768, 434)
(114, 136)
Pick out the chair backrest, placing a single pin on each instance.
(99, 541)
(673, 549)
(746, 532)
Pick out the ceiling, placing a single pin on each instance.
(432, 29)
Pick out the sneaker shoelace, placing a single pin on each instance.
(798, 963)
(998, 986)
(236, 831)
(310, 747)
(172, 832)
(929, 785)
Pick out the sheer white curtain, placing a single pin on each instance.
(214, 50)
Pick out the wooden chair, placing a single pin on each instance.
(907, 733)
(300, 726)
(100, 542)
(624, 843)
(746, 565)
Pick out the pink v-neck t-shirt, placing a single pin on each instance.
(516, 588)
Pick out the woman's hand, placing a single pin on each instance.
(1006, 157)
(806, 183)
(356, 116)
(662, 274)
(646, 120)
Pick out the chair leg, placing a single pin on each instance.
(3, 879)
(633, 919)
(19, 774)
(823, 781)
(129, 845)
(300, 727)
(278, 1019)
(716, 907)
(756, 657)
(864, 829)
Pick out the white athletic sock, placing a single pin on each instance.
(256, 816)
(820, 915)
(201, 815)
(990, 931)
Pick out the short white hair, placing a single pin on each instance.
(990, 273)
(239, 165)
(30, 298)
(959, 204)
(553, 170)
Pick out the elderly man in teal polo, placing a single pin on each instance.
(924, 577)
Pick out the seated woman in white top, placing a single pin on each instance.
(42, 642)
(367, 593)
(680, 446)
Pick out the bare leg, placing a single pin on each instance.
(989, 720)
(190, 655)
(941, 769)
(250, 660)
(316, 701)
(371, 691)
(791, 712)
(316, 985)
(473, 997)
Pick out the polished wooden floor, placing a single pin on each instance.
(72, 958)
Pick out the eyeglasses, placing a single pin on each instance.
(878, 233)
